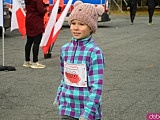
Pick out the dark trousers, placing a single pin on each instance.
(132, 13)
(64, 117)
(150, 12)
(35, 41)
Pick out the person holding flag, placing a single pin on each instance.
(60, 10)
(82, 64)
(35, 11)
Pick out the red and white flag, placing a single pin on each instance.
(18, 18)
(47, 36)
(53, 28)
(1, 13)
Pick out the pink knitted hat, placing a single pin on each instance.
(87, 13)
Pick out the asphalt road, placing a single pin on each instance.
(132, 75)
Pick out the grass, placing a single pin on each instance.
(139, 12)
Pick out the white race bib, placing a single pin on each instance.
(75, 74)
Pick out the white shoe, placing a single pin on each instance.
(132, 23)
(27, 64)
(150, 23)
(37, 65)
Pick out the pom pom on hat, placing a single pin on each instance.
(86, 13)
(77, 3)
(100, 9)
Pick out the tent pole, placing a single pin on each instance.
(118, 6)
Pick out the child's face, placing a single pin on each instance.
(79, 29)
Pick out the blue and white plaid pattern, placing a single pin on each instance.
(82, 101)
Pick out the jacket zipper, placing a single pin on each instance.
(75, 50)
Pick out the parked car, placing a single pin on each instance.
(7, 18)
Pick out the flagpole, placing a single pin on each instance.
(2, 26)
(3, 68)
(3, 44)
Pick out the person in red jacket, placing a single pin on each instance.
(35, 11)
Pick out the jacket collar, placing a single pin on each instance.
(81, 42)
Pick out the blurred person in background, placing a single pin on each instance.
(35, 11)
(151, 6)
(132, 7)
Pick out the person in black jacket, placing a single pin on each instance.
(132, 6)
(151, 6)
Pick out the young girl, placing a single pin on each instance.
(82, 66)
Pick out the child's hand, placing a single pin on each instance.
(82, 118)
(55, 104)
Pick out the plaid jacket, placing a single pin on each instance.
(82, 101)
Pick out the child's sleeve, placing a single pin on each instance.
(95, 83)
(62, 72)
